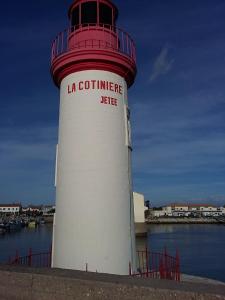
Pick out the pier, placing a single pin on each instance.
(32, 284)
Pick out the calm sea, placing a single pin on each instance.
(201, 247)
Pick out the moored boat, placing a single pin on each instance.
(32, 224)
(14, 226)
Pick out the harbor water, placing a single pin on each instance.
(201, 247)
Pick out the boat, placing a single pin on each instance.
(2, 228)
(42, 222)
(32, 224)
(14, 226)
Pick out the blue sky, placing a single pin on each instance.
(177, 102)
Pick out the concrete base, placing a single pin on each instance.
(44, 284)
(141, 229)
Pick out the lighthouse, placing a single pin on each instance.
(93, 64)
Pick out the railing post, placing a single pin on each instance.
(57, 45)
(53, 51)
(122, 37)
(69, 30)
(62, 42)
(86, 266)
(161, 268)
(117, 40)
(17, 257)
(146, 258)
(30, 257)
(49, 263)
(130, 270)
(177, 266)
(166, 263)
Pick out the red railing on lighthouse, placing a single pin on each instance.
(102, 37)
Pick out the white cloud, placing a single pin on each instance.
(162, 64)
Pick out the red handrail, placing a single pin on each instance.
(120, 41)
(36, 260)
(149, 264)
(157, 265)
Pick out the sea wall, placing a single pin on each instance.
(42, 284)
(184, 220)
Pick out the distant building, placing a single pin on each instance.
(48, 209)
(10, 208)
(179, 210)
(165, 211)
(32, 209)
(139, 208)
(188, 210)
(205, 210)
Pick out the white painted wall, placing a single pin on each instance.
(158, 213)
(139, 208)
(93, 223)
(9, 209)
(181, 208)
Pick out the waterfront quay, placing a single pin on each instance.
(186, 220)
(29, 283)
(13, 217)
(195, 243)
(185, 213)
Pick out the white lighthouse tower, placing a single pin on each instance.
(93, 64)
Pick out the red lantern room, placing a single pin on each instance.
(93, 42)
(98, 12)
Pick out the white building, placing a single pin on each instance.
(139, 208)
(222, 209)
(48, 209)
(165, 211)
(32, 209)
(204, 210)
(189, 210)
(10, 208)
(179, 210)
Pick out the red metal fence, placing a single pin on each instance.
(157, 265)
(36, 260)
(103, 37)
(149, 264)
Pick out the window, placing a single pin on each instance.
(75, 17)
(89, 12)
(105, 14)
